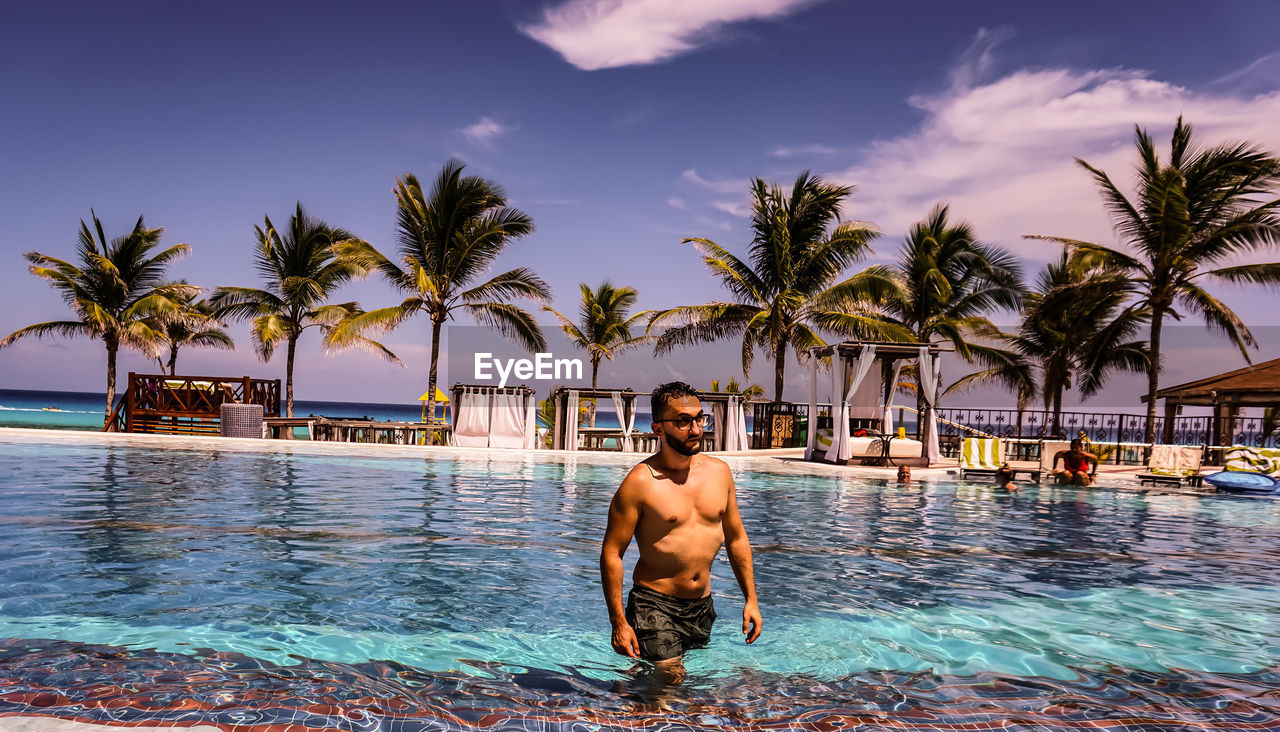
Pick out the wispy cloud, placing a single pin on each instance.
(722, 185)
(677, 202)
(812, 150)
(733, 208)
(604, 34)
(1001, 151)
(485, 131)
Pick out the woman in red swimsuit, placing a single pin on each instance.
(1075, 464)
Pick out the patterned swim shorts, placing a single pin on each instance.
(668, 626)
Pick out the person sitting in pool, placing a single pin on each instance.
(680, 507)
(1005, 476)
(1075, 464)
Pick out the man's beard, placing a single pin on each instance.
(683, 447)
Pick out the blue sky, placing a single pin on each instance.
(620, 127)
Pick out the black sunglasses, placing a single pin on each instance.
(685, 421)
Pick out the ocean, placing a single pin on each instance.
(77, 410)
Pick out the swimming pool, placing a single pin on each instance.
(456, 591)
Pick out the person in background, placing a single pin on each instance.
(1078, 467)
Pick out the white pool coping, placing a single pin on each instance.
(788, 461)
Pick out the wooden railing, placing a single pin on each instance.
(158, 403)
(115, 420)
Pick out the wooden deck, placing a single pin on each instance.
(323, 429)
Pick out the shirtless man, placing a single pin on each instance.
(680, 507)
(1075, 464)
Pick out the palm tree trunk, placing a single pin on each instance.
(112, 348)
(1153, 374)
(779, 365)
(1057, 410)
(288, 378)
(173, 359)
(431, 376)
(591, 405)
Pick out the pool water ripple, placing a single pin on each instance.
(458, 566)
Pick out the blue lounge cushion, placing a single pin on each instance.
(1242, 480)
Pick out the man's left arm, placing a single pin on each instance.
(739, 549)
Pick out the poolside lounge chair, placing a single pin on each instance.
(1254, 459)
(980, 456)
(1048, 449)
(1175, 464)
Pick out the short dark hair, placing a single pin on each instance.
(1077, 444)
(665, 393)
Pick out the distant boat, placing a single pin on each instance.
(51, 409)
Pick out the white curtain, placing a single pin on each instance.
(507, 425)
(812, 429)
(557, 442)
(886, 421)
(718, 424)
(865, 402)
(841, 441)
(472, 429)
(735, 429)
(530, 421)
(931, 382)
(626, 421)
(571, 422)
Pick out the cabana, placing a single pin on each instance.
(494, 416)
(728, 420)
(566, 433)
(863, 375)
(1252, 386)
(728, 413)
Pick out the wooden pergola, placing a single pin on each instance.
(1227, 393)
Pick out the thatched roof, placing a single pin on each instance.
(1257, 385)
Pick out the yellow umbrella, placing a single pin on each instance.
(440, 399)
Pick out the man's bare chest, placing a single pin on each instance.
(679, 506)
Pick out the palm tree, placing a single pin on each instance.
(1074, 328)
(447, 239)
(798, 250)
(1192, 214)
(953, 281)
(755, 391)
(604, 326)
(302, 267)
(196, 325)
(114, 291)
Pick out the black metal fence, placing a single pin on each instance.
(1105, 427)
(785, 424)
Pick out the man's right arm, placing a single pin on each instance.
(624, 513)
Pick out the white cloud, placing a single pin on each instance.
(724, 185)
(1001, 152)
(603, 34)
(791, 151)
(733, 208)
(677, 202)
(485, 131)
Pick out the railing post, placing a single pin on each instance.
(129, 402)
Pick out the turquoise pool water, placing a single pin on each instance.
(481, 568)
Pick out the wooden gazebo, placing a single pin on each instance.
(1252, 386)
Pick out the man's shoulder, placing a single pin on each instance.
(639, 478)
(715, 463)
